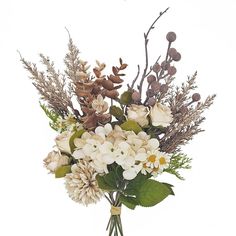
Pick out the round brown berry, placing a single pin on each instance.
(171, 37)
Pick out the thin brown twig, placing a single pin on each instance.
(146, 49)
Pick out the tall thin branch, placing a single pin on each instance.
(146, 49)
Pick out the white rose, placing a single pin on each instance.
(62, 142)
(161, 115)
(55, 160)
(138, 113)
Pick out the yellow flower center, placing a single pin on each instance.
(162, 161)
(152, 158)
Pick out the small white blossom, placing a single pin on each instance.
(99, 105)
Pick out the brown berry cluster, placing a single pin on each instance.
(160, 74)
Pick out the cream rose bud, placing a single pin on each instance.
(138, 113)
(62, 142)
(55, 160)
(160, 115)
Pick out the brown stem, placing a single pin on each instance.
(146, 50)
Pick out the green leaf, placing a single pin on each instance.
(110, 179)
(134, 184)
(77, 134)
(53, 116)
(177, 162)
(126, 98)
(131, 125)
(129, 202)
(106, 182)
(170, 186)
(152, 192)
(62, 171)
(116, 112)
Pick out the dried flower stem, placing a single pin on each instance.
(146, 49)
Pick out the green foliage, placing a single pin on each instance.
(53, 116)
(106, 182)
(77, 134)
(130, 202)
(152, 192)
(177, 162)
(134, 184)
(131, 125)
(116, 112)
(126, 98)
(62, 171)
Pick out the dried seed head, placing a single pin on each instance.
(151, 78)
(155, 86)
(150, 92)
(196, 97)
(164, 88)
(171, 36)
(172, 70)
(165, 65)
(177, 57)
(107, 84)
(151, 101)
(136, 96)
(172, 52)
(156, 67)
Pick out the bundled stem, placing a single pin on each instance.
(114, 225)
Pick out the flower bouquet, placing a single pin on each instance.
(114, 141)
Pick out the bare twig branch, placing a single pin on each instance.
(146, 50)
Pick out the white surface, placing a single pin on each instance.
(34, 203)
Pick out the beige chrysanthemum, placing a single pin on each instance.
(81, 184)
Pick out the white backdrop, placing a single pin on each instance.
(34, 203)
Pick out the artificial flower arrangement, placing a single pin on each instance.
(115, 144)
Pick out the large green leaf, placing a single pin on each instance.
(106, 182)
(62, 171)
(134, 184)
(170, 188)
(130, 202)
(131, 125)
(77, 134)
(152, 192)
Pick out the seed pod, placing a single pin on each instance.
(111, 93)
(136, 97)
(196, 97)
(177, 57)
(172, 70)
(156, 67)
(151, 101)
(165, 65)
(115, 79)
(151, 78)
(164, 88)
(107, 84)
(171, 36)
(172, 52)
(155, 86)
